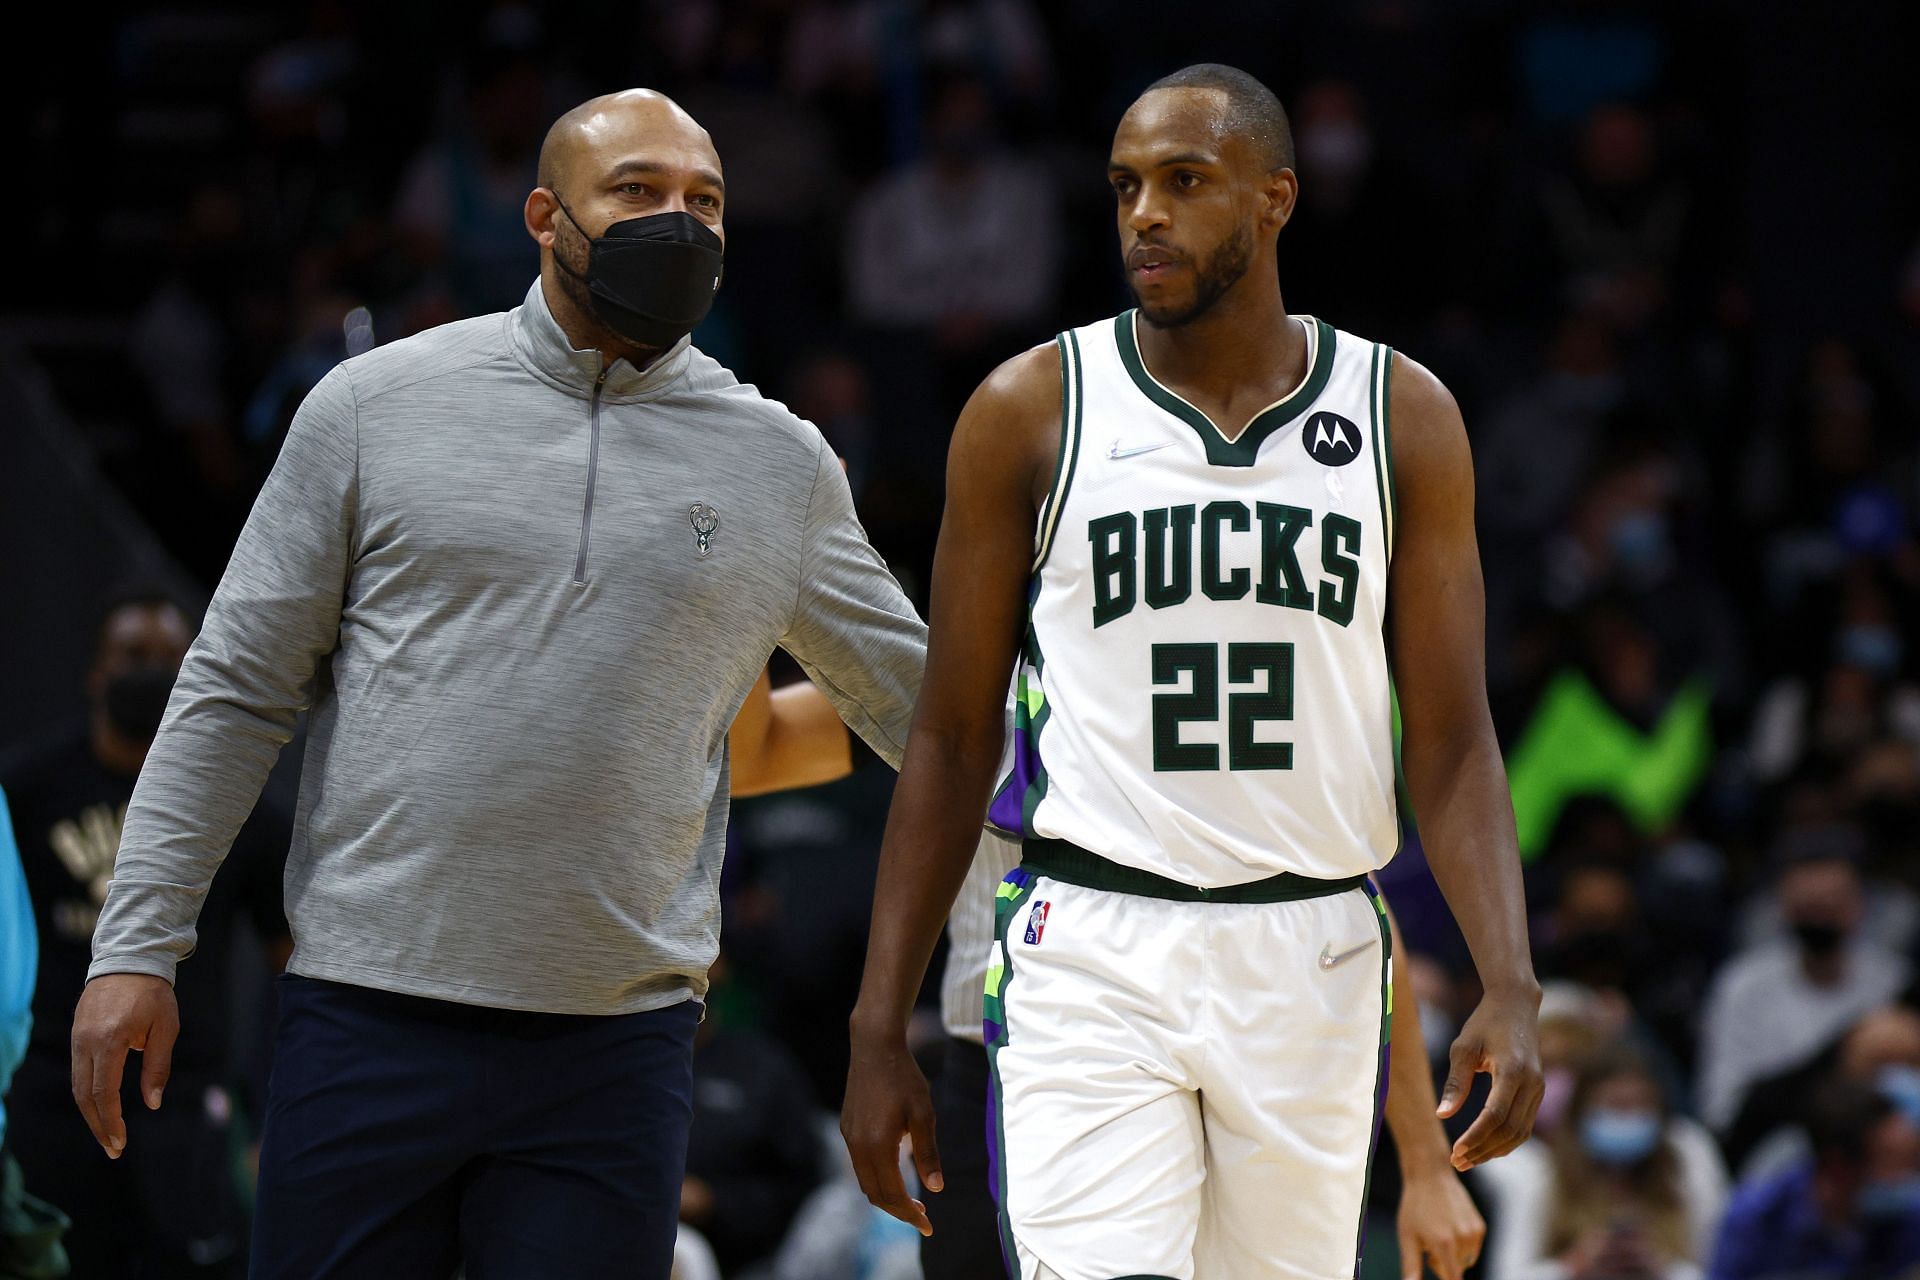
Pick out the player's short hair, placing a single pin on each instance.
(1253, 110)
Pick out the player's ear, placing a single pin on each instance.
(1278, 193)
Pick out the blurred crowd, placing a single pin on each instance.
(1664, 254)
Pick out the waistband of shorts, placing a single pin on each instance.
(1067, 862)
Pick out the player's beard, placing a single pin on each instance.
(1213, 275)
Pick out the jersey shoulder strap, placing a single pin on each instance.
(1071, 395)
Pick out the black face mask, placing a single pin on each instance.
(136, 700)
(651, 279)
(1818, 938)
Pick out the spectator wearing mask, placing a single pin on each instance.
(1623, 1187)
(1850, 1209)
(1885, 1049)
(171, 1204)
(1777, 1004)
(1852, 691)
(1575, 1021)
(1891, 910)
(1881, 1051)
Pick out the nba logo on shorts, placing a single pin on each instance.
(1036, 922)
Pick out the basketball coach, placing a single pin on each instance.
(524, 569)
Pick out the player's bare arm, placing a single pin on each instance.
(785, 738)
(1437, 1222)
(1437, 636)
(998, 468)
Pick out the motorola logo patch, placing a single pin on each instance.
(1331, 440)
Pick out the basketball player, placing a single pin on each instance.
(791, 737)
(1219, 538)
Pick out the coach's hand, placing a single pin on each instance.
(1502, 1039)
(118, 1012)
(887, 1097)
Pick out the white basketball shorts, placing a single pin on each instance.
(1184, 1088)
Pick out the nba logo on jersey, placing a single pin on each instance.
(1036, 923)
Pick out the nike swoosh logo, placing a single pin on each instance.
(1116, 452)
(1329, 958)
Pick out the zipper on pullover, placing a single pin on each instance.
(593, 470)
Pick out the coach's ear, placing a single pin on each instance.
(538, 215)
(1279, 191)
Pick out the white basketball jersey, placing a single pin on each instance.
(1204, 691)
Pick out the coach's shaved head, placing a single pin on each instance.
(610, 121)
(1251, 109)
(625, 155)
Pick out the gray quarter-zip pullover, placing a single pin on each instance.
(524, 597)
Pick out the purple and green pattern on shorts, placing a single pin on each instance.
(1013, 893)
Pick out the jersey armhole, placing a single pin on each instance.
(1379, 403)
(1069, 455)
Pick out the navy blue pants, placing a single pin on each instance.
(407, 1137)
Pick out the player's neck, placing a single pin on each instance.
(1242, 338)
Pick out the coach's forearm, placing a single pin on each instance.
(1465, 815)
(932, 832)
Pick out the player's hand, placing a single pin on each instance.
(1438, 1225)
(1501, 1038)
(118, 1012)
(887, 1097)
